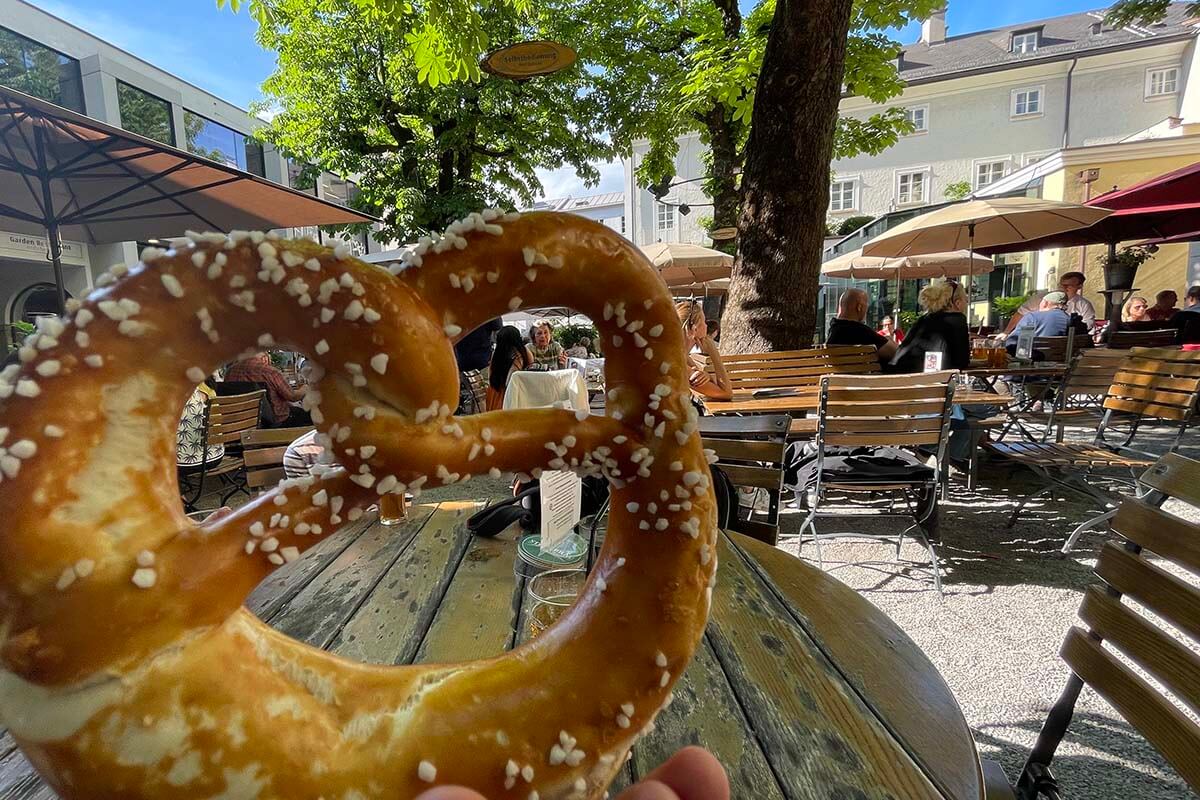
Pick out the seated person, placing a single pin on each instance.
(580, 350)
(1051, 319)
(547, 354)
(1072, 285)
(717, 385)
(1187, 321)
(510, 354)
(301, 455)
(850, 327)
(889, 329)
(941, 329)
(1164, 306)
(258, 369)
(1135, 316)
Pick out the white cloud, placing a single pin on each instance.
(563, 182)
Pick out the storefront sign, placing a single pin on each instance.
(37, 248)
(528, 59)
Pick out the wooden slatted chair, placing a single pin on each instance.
(1125, 340)
(1159, 386)
(898, 411)
(1078, 400)
(1114, 627)
(750, 451)
(228, 417)
(263, 450)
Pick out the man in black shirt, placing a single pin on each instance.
(849, 326)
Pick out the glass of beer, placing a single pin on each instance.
(393, 509)
(550, 594)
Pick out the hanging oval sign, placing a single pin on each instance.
(723, 234)
(528, 59)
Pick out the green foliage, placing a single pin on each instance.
(1143, 12)
(907, 320)
(957, 191)
(569, 335)
(443, 39)
(22, 327)
(349, 96)
(1006, 306)
(850, 224)
(1130, 257)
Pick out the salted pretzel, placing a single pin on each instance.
(128, 666)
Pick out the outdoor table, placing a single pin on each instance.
(800, 687)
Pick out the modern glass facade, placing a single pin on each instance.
(224, 145)
(145, 114)
(33, 68)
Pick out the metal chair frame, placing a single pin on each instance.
(919, 516)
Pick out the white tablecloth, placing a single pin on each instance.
(546, 389)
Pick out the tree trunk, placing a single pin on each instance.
(726, 161)
(785, 183)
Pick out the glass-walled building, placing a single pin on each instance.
(51, 59)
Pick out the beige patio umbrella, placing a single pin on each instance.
(682, 264)
(928, 265)
(982, 223)
(706, 289)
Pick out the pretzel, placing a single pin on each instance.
(128, 666)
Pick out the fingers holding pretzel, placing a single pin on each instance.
(174, 690)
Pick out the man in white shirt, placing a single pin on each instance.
(1072, 284)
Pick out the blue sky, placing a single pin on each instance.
(215, 49)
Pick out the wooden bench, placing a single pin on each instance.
(263, 450)
(750, 372)
(226, 418)
(1168, 657)
(750, 451)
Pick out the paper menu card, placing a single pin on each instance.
(562, 506)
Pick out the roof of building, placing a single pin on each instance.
(1060, 37)
(579, 203)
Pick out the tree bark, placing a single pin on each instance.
(726, 162)
(785, 182)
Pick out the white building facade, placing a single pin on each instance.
(608, 208)
(45, 56)
(984, 104)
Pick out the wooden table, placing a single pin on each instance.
(802, 688)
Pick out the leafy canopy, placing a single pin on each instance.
(443, 39)
(347, 96)
(1143, 12)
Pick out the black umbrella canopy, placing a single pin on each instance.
(64, 174)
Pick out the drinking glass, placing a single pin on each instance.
(393, 509)
(550, 594)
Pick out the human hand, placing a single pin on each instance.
(218, 515)
(708, 346)
(562, 358)
(699, 378)
(691, 774)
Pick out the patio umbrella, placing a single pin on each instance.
(706, 289)
(681, 264)
(927, 265)
(64, 174)
(982, 223)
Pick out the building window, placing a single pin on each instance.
(918, 117)
(842, 196)
(1162, 82)
(224, 145)
(911, 188)
(664, 217)
(1027, 102)
(987, 172)
(143, 113)
(33, 68)
(1025, 42)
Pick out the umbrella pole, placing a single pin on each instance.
(51, 222)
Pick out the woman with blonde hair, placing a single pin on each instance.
(697, 342)
(1136, 309)
(941, 329)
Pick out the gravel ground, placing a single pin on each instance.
(994, 635)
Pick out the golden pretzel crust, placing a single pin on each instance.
(128, 666)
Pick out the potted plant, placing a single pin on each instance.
(1007, 305)
(1121, 266)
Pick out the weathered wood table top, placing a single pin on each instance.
(800, 687)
